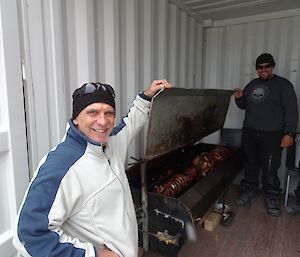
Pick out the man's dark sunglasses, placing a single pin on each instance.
(266, 66)
(89, 88)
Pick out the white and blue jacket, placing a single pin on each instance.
(79, 199)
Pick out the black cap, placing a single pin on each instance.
(265, 58)
(99, 95)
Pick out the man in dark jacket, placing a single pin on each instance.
(270, 124)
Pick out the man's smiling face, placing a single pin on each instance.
(96, 121)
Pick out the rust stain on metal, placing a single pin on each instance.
(180, 117)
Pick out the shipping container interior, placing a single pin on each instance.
(49, 48)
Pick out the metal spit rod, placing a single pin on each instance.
(144, 198)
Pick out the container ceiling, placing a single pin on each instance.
(227, 9)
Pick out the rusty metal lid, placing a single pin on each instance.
(180, 117)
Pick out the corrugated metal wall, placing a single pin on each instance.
(13, 153)
(128, 44)
(233, 45)
(124, 43)
(231, 48)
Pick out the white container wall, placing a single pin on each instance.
(123, 43)
(14, 173)
(49, 48)
(231, 48)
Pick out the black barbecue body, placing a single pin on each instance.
(172, 143)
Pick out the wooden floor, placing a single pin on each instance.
(253, 233)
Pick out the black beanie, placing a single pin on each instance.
(82, 100)
(265, 58)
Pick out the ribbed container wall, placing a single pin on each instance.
(127, 44)
(231, 48)
(49, 48)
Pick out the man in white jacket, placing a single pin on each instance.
(79, 203)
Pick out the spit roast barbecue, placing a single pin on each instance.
(179, 178)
